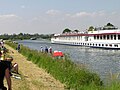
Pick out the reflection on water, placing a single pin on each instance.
(97, 60)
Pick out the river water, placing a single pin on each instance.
(100, 61)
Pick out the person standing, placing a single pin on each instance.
(46, 49)
(18, 47)
(41, 49)
(50, 50)
(4, 72)
(2, 43)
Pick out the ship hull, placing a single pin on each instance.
(102, 45)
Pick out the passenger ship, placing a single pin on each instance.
(107, 37)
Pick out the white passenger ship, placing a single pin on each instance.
(107, 37)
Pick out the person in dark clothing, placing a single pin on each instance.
(9, 65)
(18, 47)
(13, 67)
(46, 49)
(4, 72)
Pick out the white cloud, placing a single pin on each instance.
(53, 12)
(87, 14)
(54, 21)
(8, 16)
(81, 14)
(80, 21)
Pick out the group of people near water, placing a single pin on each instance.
(46, 49)
(55, 54)
(6, 67)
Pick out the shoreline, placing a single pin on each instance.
(33, 77)
(63, 70)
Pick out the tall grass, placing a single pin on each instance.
(63, 70)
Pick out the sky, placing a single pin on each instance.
(53, 16)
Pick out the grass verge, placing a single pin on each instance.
(63, 70)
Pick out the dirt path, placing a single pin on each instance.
(32, 77)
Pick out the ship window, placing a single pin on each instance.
(94, 37)
(88, 43)
(102, 44)
(107, 36)
(116, 45)
(96, 44)
(114, 37)
(106, 44)
(97, 37)
(104, 37)
(110, 45)
(99, 44)
(118, 37)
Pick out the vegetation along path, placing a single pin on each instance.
(32, 77)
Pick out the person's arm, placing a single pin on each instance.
(7, 75)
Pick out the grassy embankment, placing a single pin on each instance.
(65, 71)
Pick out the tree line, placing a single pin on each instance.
(22, 36)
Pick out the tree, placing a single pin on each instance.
(109, 24)
(76, 30)
(66, 30)
(91, 28)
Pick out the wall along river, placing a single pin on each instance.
(101, 61)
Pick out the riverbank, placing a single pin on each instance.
(32, 77)
(66, 72)
(63, 70)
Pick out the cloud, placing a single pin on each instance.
(87, 14)
(82, 14)
(54, 21)
(53, 12)
(8, 16)
(79, 20)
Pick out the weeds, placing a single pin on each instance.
(63, 70)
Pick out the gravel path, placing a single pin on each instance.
(32, 77)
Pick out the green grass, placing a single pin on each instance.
(63, 70)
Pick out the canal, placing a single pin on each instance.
(101, 61)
